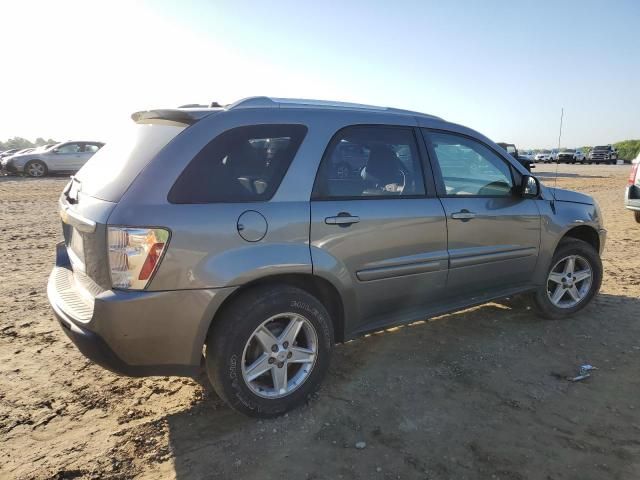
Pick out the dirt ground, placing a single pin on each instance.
(477, 394)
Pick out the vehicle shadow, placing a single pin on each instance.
(426, 397)
(24, 178)
(565, 175)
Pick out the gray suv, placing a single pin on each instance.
(235, 239)
(67, 157)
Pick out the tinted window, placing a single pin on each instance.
(109, 172)
(244, 164)
(370, 162)
(470, 168)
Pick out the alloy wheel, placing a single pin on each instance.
(35, 169)
(569, 281)
(279, 355)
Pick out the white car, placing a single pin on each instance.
(544, 156)
(527, 155)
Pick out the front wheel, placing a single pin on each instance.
(636, 214)
(269, 350)
(35, 168)
(572, 281)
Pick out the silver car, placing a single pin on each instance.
(235, 239)
(67, 157)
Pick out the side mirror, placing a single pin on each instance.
(55, 150)
(530, 187)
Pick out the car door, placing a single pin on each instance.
(66, 157)
(493, 232)
(377, 224)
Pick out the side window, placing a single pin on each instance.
(244, 164)
(470, 168)
(370, 161)
(91, 148)
(69, 148)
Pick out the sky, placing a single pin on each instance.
(78, 69)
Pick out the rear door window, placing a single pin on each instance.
(69, 148)
(370, 162)
(91, 148)
(244, 164)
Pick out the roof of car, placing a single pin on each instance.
(271, 102)
(191, 113)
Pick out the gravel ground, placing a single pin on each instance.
(475, 394)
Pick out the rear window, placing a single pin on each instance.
(109, 172)
(244, 164)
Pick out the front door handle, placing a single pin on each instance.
(343, 219)
(463, 215)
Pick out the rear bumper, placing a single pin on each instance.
(632, 197)
(134, 333)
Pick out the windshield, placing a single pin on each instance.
(606, 147)
(568, 150)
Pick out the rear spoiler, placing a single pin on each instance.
(174, 116)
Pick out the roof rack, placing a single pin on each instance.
(269, 102)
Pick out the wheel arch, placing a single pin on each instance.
(586, 233)
(317, 286)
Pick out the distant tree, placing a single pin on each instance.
(20, 143)
(628, 149)
(16, 142)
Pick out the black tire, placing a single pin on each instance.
(636, 215)
(36, 168)
(234, 328)
(543, 305)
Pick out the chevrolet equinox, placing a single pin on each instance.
(251, 239)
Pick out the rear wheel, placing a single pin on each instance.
(572, 281)
(35, 168)
(637, 216)
(269, 350)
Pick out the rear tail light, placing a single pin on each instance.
(134, 255)
(634, 172)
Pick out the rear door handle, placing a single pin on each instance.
(463, 215)
(343, 219)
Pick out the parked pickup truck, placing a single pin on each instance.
(513, 151)
(566, 155)
(603, 154)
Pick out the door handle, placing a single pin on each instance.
(343, 219)
(463, 215)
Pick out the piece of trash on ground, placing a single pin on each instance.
(584, 373)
